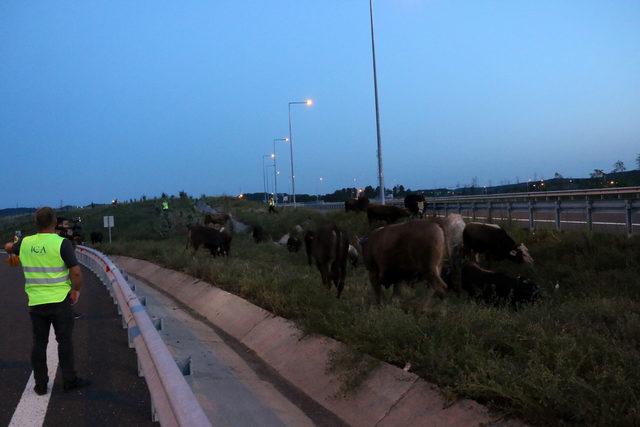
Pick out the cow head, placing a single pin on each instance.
(521, 254)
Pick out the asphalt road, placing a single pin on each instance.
(117, 396)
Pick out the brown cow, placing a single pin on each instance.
(329, 247)
(386, 213)
(217, 219)
(356, 205)
(410, 251)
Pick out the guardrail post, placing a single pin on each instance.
(589, 212)
(509, 208)
(473, 211)
(489, 212)
(531, 219)
(558, 209)
(628, 218)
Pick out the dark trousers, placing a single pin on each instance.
(60, 315)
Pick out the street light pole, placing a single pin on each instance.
(275, 170)
(308, 102)
(375, 89)
(264, 177)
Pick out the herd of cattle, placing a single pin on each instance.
(443, 252)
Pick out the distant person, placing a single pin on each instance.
(53, 280)
(272, 205)
(165, 205)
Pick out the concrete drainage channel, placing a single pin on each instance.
(173, 402)
(389, 397)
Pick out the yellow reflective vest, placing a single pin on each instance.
(46, 275)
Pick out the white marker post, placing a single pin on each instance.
(108, 223)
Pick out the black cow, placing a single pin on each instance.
(257, 233)
(416, 204)
(497, 289)
(293, 244)
(386, 213)
(493, 241)
(357, 205)
(329, 247)
(96, 237)
(218, 242)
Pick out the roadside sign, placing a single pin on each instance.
(108, 223)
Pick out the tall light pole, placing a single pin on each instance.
(264, 176)
(308, 103)
(275, 170)
(375, 89)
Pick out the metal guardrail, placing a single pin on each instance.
(509, 205)
(172, 400)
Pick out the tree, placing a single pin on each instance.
(638, 161)
(557, 175)
(619, 166)
(597, 173)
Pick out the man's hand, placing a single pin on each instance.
(74, 295)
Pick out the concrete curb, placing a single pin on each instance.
(389, 397)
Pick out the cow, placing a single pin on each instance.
(453, 226)
(356, 205)
(309, 237)
(96, 237)
(415, 204)
(216, 220)
(407, 252)
(329, 247)
(493, 241)
(293, 243)
(387, 213)
(497, 289)
(227, 235)
(353, 255)
(296, 236)
(257, 232)
(216, 241)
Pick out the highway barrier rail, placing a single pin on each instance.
(172, 400)
(577, 206)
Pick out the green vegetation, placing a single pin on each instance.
(571, 359)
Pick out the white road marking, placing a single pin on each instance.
(32, 408)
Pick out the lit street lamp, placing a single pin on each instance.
(275, 173)
(308, 103)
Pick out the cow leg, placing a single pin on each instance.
(396, 296)
(376, 285)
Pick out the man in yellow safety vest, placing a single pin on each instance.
(53, 280)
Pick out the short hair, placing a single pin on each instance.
(45, 217)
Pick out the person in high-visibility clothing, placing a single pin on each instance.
(272, 205)
(165, 205)
(53, 280)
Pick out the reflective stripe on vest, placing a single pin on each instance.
(46, 275)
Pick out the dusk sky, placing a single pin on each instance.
(123, 98)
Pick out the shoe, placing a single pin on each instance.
(40, 389)
(75, 384)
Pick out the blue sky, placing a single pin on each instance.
(119, 98)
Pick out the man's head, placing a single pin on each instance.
(45, 218)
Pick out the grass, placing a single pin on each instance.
(570, 359)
